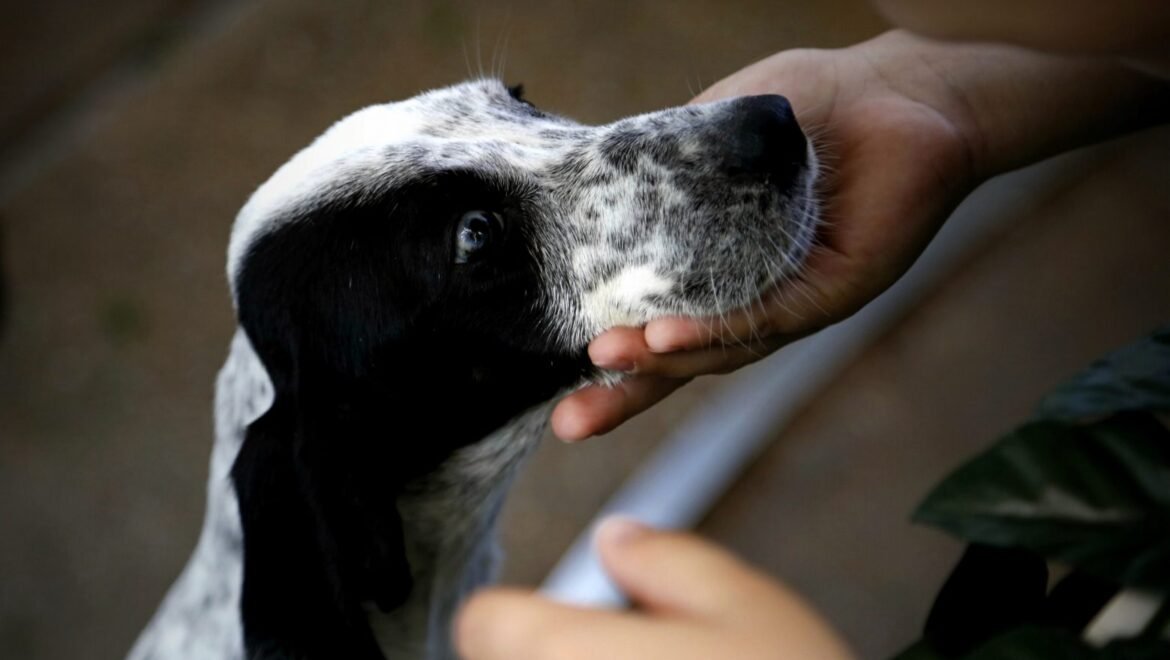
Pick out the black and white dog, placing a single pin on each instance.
(413, 290)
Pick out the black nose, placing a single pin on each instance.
(761, 137)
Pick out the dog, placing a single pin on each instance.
(414, 290)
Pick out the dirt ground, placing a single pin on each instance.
(132, 130)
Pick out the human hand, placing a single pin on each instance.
(694, 600)
(898, 150)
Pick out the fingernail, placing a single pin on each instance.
(620, 530)
(615, 364)
(661, 341)
(572, 440)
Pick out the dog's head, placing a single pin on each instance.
(427, 270)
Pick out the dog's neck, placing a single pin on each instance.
(449, 520)
(448, 517)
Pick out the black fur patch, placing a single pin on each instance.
(385, 356)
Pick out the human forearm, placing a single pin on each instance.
(1136, 30)
(1016, 106)
(1023, 106)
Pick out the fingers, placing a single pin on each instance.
(787, 311)
(597, 409)
(618, 349)
(677, 574)
(674, 334)
(697, 602)
(628, 352)
(680, 577)
(653, 375)
(506, 624)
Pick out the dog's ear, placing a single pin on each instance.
(317, 477)
(315, 546)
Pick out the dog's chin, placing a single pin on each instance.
(768, 285)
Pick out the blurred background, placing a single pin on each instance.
(132, 130)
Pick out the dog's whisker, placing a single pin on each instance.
(504, 55)
(780, 273)
(466, 58)
(499, 51)
(715, 303)
(479, 48)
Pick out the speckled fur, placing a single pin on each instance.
(635, 222)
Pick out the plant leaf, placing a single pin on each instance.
(1096, 496)
(1034, 643)
(1040, 643)
(1136, 648)
(991, 590)
(1136, 377)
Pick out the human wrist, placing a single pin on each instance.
(1031, 106)
(1013, 106)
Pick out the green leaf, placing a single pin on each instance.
(1096, 496)
(1136, 377)
(1040, 643)
(1136, 648)
(1034, 643)
(1086, 482)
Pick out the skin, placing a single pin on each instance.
(694, 600)
(908, 125)
(1131, 29)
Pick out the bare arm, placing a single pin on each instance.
(1136, 31)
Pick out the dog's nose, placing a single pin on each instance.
(761, 137)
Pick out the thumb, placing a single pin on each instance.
(670, 574)
(676, 573)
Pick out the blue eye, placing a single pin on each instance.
(475, 235)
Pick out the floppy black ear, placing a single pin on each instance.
(317, 477)
(320, 537)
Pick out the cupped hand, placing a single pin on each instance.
(694, 601)
(897, 149)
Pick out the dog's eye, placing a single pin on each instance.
(476, 233)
